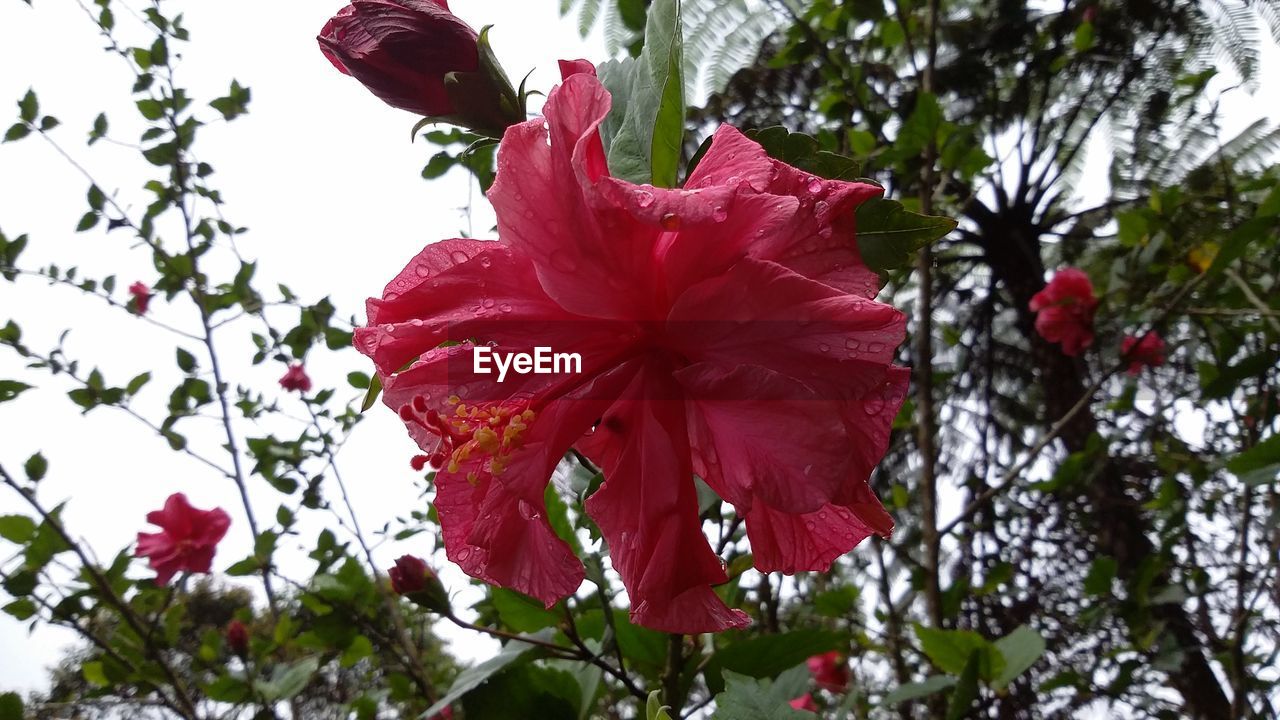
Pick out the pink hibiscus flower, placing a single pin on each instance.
(1145, 352)
(1064, 310)
(829, 671)
(725, 330)
(187, 539)
(140, 297)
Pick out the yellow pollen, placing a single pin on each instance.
(489, 434)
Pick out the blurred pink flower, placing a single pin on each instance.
(1064, 310)
(1145, 352)
(187, 539)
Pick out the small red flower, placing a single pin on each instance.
(829, 671)
(187, 539)
(295, 378)
(409, 574)
(1064, 310)
(238, 638)
(141, 297)
(1145, 352)
(804, 702)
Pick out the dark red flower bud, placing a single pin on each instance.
(1090, 13)
(411, 577)
(238, 638)
(409, 574)
(296, 378)
(418, 56)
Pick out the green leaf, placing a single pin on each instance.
(28, 107)
(16, 131)
(803, 151)
(966, 688)
(359, 649)
(11, 707)
(1020, 649)
(911, 691)
(95, 674)
(228, 689)
(1248, 234)
(21, 609)
(474, 677)
(1258, 457)
(889, 235)
(521, 612)
(748, 698)
(647, 146)
(1101, 573)
(524, 691)
(950, 650)
(36, 466)
(617, 77)
(768, 655)
(654, 709)
(10, 389)
(186, 361)
(288, 680)
(17, 528)
(371, 397)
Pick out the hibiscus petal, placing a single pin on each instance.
(545, 172)
(495, 527)
(647, 510)
(766, 435)
(821, 242)
(487, 294)
(760, 313)
(789, 542)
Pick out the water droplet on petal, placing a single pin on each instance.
(459, 256)
(824, 232)
(808, 469)
(644, 198)
(670, 222)
(875, 347)
(527, 511)
(487, 302)
(505, 307)
(824, 347)
(486, 261)
(719, 214)
(821, 207)
(421, 270)
(815, 185)
(852, 344)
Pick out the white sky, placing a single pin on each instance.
(325, 178)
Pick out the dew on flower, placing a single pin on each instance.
(670, 222)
